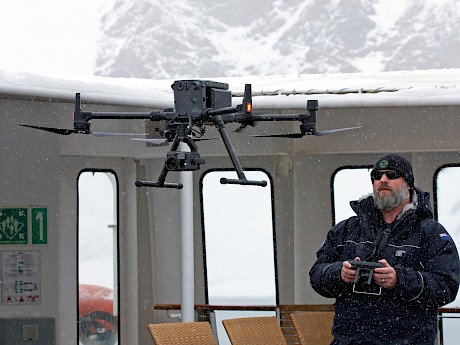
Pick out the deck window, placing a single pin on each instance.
(239, 244)
(447, 204)
(97, 258)
(347, 184)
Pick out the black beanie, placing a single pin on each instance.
(398, 163)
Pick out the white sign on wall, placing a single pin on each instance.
(21, 277)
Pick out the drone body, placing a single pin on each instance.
(197, 103)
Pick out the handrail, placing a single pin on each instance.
(306, 307)
(283, 307)
(443, 310)
(217, 307)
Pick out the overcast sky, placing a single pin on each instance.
(49, 36)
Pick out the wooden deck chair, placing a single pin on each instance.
(182, 333)
(262, 330)
(313, 327)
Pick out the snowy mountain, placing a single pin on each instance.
(207, 38)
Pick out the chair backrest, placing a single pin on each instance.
(313, 327)
(261, 330)
(181, 333)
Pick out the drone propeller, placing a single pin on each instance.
(288, 135)
(164, 141)
(315, 133)
(61, 131)
(65, 131)
(332, 131)
(152, 141)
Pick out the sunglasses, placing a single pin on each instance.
(390, 174)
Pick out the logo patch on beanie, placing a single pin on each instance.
(383, 164)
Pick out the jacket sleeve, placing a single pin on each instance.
(437, 283)
(325, 273)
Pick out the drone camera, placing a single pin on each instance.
(183, 161)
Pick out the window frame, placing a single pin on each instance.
(333, 175)
(435, 186)
(117, 257)
(203, 230)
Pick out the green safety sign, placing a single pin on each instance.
(16, 223)
(13, 225)
(39, 225)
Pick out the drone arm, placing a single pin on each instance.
(275, 118)
(153, 116)
(221, 111)
(242, 180)
(81, 118)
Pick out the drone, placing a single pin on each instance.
(198, 103)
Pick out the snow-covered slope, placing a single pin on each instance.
(206, 38)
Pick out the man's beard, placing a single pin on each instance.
(390, 201)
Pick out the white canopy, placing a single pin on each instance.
(404, 88)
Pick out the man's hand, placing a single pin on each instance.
(386, 276)
(347, 274)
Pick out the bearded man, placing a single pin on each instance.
(389, 267)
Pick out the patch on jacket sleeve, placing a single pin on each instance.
(445, 236)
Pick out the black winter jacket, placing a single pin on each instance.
(428, 273)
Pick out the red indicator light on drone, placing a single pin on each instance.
(247, 99)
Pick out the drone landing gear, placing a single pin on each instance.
(183, 161)
(219, 123)
(160, 183)
(189, 161)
